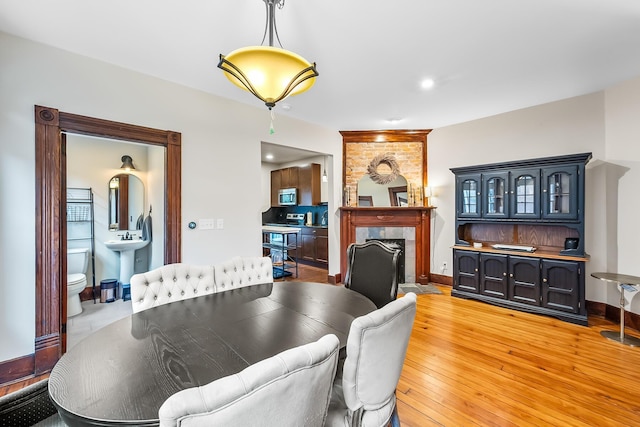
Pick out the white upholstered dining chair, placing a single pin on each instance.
(364, 394)
(243, 271)
(289, 389)
(169, 283)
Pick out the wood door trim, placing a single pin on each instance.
(50, 165)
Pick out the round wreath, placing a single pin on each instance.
(388, 160)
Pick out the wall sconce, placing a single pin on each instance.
(428, 192)
(127, 163)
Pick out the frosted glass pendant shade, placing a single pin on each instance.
(270, 73)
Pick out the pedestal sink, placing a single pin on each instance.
(127, 249)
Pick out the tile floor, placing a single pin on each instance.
(94, 317)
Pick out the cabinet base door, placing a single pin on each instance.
(493, 275)
(561, 284)
(524, 280)
(466, 274)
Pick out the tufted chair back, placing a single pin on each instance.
(291, 388)
(172, 282)
(243, 271)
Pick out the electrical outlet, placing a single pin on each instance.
(444, 266)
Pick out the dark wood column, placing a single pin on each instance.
(50, 224)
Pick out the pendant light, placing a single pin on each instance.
(325, 178)
(269, 73)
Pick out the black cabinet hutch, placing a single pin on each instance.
(535, 208)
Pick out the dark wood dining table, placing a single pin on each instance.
(122, 373)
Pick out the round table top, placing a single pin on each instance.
(617, 278)
(123, 373)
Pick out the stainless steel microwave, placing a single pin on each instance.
(287, 197)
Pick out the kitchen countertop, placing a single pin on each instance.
(275, 224)
(279, 229)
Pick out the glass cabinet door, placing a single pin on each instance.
(525, 193)
(469, 197)
(495, 194)
(559, 194)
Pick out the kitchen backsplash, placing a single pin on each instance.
(277, 215)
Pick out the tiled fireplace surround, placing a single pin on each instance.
(410, 223)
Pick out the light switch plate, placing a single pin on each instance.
(206, 224)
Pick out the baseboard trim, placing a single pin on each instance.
(17, 369)
(611, 313)
(442, 279)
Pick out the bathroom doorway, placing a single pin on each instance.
(92, 163)
(50, 145)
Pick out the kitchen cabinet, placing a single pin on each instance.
(533, 204)
(289, 177)
(276, 185)
(315, 245)
(306, 179)
(283, 178)
(552, 287)
(309, 177)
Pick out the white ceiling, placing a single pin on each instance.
(486, 57)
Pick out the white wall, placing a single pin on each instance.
(220, 161)
(622, 124)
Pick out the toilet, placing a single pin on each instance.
(77, 261)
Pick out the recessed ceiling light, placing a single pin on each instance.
(427, 83)
(269, 156)
(393, 120)
(286, 107)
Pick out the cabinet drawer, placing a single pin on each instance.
(309, 231)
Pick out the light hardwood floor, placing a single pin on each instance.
(473, 364)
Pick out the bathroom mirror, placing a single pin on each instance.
(126, 202)
(394, 193)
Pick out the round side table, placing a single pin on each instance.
(622, 280)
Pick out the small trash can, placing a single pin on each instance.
(108, 290)
(126, 291)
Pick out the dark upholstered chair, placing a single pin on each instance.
(372, 270)
(292, 388)
(30, 406)
(365, 394)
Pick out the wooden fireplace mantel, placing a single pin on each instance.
(415, 216)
